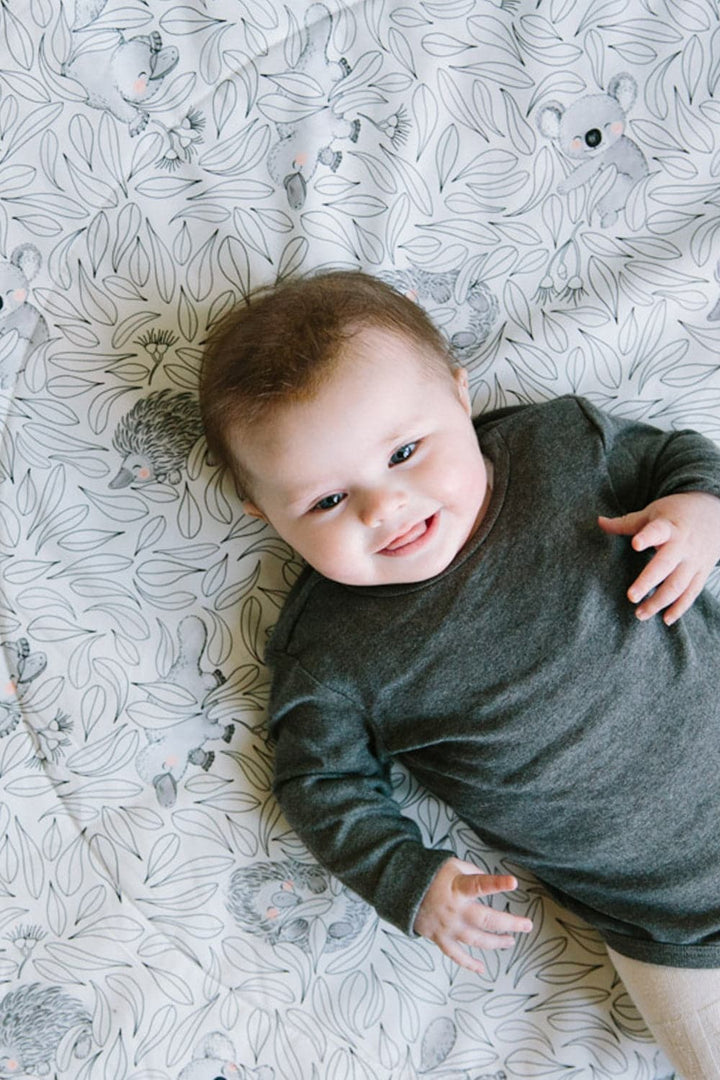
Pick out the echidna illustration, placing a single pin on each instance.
(155, 438)
(268, 899)
(33, 1022)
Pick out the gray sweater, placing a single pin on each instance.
(519, 687)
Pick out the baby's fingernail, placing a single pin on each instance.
(527, 926)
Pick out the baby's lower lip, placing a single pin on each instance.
(417, 537)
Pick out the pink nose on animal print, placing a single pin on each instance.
(20, 295)
(300, 161)
(140, 86)
(10, 689)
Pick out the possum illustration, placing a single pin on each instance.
(172, 748)
(22, 667)
(155, 438)
(267, 899)
(117, 74)
(33, 1022)
(308, 142)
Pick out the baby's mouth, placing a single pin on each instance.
(413, 533)
(407, 540)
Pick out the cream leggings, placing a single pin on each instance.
(681, 1006)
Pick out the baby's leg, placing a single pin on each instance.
(681, 1006)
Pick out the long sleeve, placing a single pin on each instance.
(333, 783)
(646, 463)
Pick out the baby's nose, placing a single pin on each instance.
(379, 505)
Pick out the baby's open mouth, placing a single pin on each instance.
(412, 539)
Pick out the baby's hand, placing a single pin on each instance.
(450, 914)
(685, 531)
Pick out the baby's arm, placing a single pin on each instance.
(684, 529)
(450, 914)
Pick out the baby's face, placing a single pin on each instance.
(379, 478)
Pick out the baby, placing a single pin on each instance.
(497, 604)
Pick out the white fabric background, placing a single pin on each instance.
(159, 920)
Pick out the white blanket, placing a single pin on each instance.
(544, 177)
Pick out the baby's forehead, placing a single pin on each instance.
(384, 344)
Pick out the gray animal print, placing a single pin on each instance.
(33, 1022)
(155, 438)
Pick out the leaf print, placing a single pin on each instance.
(600, 10)
(82, 138)
(300, 87)
(446, 154)
(234, 264)
(456, 103)
(324, 226)
(444, 45)
(164, 268)
(635, 52)
(693, 129)
(596, 53)
(127, 228)
(18, 39)
(412, 181)
(97, 305)
(517, 306)
(224, 103)
(656, 136)
(31, 861)
(690, 15)
(521, 134)
(292, 257)
(30, 126)
(656, 91)
(425, 115)
(246, 225)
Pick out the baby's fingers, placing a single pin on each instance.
(484, 884)
(677, 595)
(656, 533)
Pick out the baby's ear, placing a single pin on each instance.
(252, 510)
(463, 388)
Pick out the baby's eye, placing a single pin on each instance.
(329, 502)
(403, 454)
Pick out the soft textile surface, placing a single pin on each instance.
(543, 177)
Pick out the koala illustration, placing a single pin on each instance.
(590, 132)
(274, 900)
(171, 749)
(117, 74)
(22, 327)
(305, 144)
(215, 1059)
